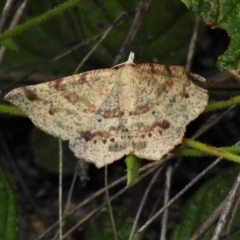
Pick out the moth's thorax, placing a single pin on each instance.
(127, 87)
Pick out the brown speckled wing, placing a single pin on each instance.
(141, 109)
(63, 107)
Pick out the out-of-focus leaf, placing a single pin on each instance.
(100, 227)
(223, 14)
(9, 43)
(186, 2)
(8, 210)
(163, 36)
(203, 203)
(46, 151)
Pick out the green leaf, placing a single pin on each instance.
(9, 43)
(46, 151)
(223, 14)
(151, 43)
(100, 227)
(8, 210)
(186, 2)
(203, 203)
(133, 164)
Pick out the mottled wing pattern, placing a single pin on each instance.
(145, 113)
(104, 139)
(64, 107)
(142, 109)
(166, 101)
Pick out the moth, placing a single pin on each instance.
(141, 109)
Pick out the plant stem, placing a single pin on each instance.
(222, 104)
(39, 19)
(11, 110)
(211, 150)
(189, 152)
